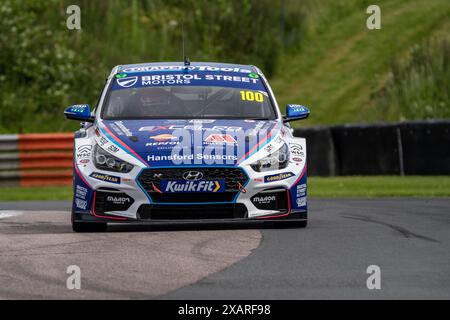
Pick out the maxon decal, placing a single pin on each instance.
(118, 200)
(264, 199)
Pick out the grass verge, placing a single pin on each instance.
(318, 187)
(35, 193)
(379, 186)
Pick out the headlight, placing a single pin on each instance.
(274, 161)
(106, 161)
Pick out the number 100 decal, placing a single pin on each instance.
(252, 96)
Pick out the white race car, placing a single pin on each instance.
(187, 142)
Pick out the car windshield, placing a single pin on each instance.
(188, 102)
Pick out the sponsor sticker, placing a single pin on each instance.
(268, 148)
(152, 68)
(301, 202)
(220, 139)
(127, 81)
(195, 127)
(278, 177)
(192, 157)
(202, 121)
(164, 137)
(121, 129)
(105, 177)
(183, 186)
(81, 192)
(102, 141)
(118, 200)
(112, 148)
(296, 150)
(264, 199)
(162, 144)
(84, 154)
(81, 204)
(301, 190)
(80, 197)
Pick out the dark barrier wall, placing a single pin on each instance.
(412, 148)
(320, 150)
(426, 147)
(366, 150)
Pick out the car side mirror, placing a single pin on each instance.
(81, 112)
(296, 112)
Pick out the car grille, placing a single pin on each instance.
(233, 177)
(192, 212)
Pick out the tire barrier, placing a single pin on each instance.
(320, 150)
(406, 148)
(426, 147)
(36, 159)
(366, 150)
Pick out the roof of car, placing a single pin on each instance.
(140, 67)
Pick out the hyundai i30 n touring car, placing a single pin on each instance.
(189, 142)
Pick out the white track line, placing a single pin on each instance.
(9, 214)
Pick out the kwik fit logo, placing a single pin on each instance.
(193, 186)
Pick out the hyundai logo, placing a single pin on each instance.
(192, 175)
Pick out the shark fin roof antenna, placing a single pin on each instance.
(186, 60)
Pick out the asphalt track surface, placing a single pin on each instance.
(408, 239)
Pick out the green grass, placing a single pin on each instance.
(342, 64)
(379, 186)
(29, 194)
(316, 52)
(351, 187)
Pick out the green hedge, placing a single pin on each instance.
(44, 66)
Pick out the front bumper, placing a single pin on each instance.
(293, 217)
(136, 199)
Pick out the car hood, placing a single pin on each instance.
(190, 142)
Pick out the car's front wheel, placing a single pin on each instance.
(89, 226)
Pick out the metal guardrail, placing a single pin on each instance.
(36, 159)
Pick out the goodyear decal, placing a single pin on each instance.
(184, 186)
(105, 177)
(278, 177)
